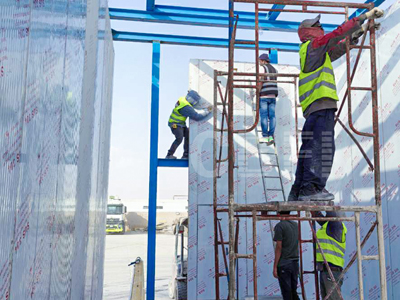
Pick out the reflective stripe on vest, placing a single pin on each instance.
(333, 250)
(176, 116)
(317, 84)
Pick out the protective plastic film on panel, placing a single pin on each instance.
(56, 68)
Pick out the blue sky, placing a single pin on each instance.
(129, 162)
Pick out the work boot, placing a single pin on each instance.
(294, 194)
(170, 157)
(271, 140)
(185, 157)
(263, 139)
(311, 193)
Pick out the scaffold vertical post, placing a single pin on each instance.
(231, 160)
(359, 256)
(152, 215)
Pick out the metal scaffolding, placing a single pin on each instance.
(270, 210)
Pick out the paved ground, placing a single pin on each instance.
(121, 250)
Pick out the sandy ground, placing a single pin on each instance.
(121, 250)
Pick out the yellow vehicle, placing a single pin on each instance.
(116, 216)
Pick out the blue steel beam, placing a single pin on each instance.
(273, 15)
(197, 41)
(197, 19)
(152, 215)
(173, 163)
(150, 4)
(360, 11)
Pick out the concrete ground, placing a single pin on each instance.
(123, 249)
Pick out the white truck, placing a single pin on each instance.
(116, 216)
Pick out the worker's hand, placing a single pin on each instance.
(275, 272)
(366, 26)
(374, 13)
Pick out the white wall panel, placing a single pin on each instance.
(56, 68)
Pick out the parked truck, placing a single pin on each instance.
(116, 216)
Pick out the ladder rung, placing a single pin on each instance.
(245, 42)
(309, 272)
(369, 257)
(271, 176)
(246, 256)
(269, 165)
(360, 88)
(267, 153)
(222, 274)
(220, 103)
(276, 190)
(358, 47)
(307, 241)
(223, 243)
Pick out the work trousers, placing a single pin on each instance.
(317, 150)
(267, 116)
(287, 277)
(327, 284)
(180, 133)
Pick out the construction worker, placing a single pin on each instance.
(286, 263)
(268, 94)
(318, 99)
(332, 239)
(184, 109)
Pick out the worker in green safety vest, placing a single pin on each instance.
(184, 108)
(318, 99)
(332, 239)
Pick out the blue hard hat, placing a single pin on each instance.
(264, 57)
(193, 97)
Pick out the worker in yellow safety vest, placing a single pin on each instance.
(318, 100)
(332, 239)
(184, 108)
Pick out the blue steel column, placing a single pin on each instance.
(273, 56)
(150, 4)
(151, 235)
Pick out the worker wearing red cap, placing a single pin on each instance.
(318, 100)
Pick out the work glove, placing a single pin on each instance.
(374, 13)
(361, 31)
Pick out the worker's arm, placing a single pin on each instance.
(191, 113)
(318, 214)
(278, 238)
(331, 39)
(278, 252)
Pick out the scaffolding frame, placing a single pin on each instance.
(262, 212)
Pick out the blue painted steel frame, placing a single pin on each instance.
(152, 215)
(173, 163)
(150, 4)
(198, 17)
(197, 41)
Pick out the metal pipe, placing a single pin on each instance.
(371, 166)
(353, 74)
(377, 174)
(215, 194)
(303, 291)
(310, 3)
(254, 223)
(304, 11)
(231, 155)
(359, 257)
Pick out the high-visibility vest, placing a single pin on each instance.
(333, 250)
(317, 84)
(176, 117)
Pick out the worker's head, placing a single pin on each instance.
(310, 29)
(193, 97)
(264, 59)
